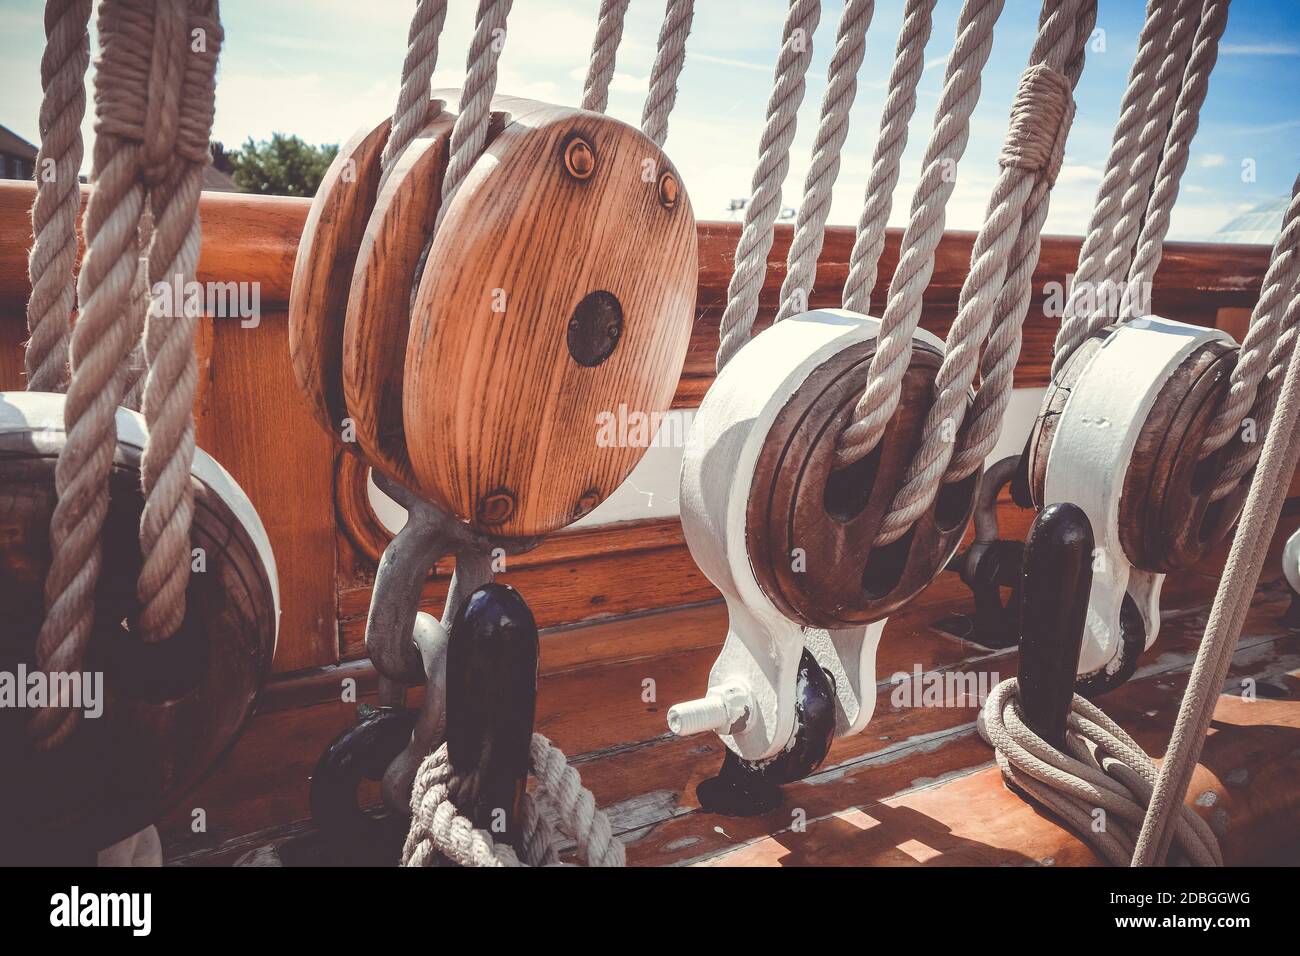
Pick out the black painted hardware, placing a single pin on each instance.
(364, 750)
(491, 700)
(747, 788)
(1056, 584)
(992, 564)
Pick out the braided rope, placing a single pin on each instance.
(469, 132)
(437, 828)
(417, 71)
(925, 227)
(900, 105)
(1103, 769)
(1187, 117)
(154, 101)
(1145, 113)
(773, 164)
(604, 50)
(669, 59)
(53, 257)
(1256, 355)
(1035, 145)
(833, 128)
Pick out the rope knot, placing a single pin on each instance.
(1041, 115)
(156, 78)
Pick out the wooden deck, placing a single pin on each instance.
(918, 787)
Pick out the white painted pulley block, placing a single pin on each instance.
(1291, 561)
(746, 496)
(1092, 450)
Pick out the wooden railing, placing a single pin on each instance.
(313, 501)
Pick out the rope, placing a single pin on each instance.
(1268, 489)
(417, 72)
(669, 59)
(900, 105)
(1103, 768)
(1256, 356)
(773, 164)
(154, 102)
(53, 257)
(1187, 117)
(438, 829)
(1002, 265)
(604, 50)
(1145, 113)
(469, 132)
(841, 88)
(924, 229)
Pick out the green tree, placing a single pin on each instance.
(284, 166)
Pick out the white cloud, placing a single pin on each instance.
(1212, 161)
(1259, 49)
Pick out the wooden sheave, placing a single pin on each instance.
(472, 365)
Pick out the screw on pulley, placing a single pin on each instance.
(750, 787)
(668, 189)
(496, 507)
(579, 158)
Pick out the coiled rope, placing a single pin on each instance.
(438, 829)
(154, 96)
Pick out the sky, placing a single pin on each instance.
(322, 68)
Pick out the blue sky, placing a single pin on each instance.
(321, 68)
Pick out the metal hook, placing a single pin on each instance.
(1056, 582)
(991, 563)
(750, 787)
(491, 700)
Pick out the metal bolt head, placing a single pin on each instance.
(669, 189)
(579, 158)
(587, 503)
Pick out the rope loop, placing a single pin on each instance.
(1041, 115)
(157, 70)
(1101, 787)
(438, 829)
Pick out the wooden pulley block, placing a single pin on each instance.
(1119, 434)
(167, 709)
(787, 539)
(560, 287)
(1167, 520)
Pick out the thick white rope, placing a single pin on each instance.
(1250, 545)
(1173, 162)
(437, 829)
(1145, 114)
(1100, 786)
(1002, 264)
(604, 51)
(1256, 355)
(53, 257)
(417, 71)
(924, 230)
(773, 164)
(900, 105)
(469, 132)
(669, 59)
(819, 184)
(154, 102)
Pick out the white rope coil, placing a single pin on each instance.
(438, 829)
(1101, 787)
